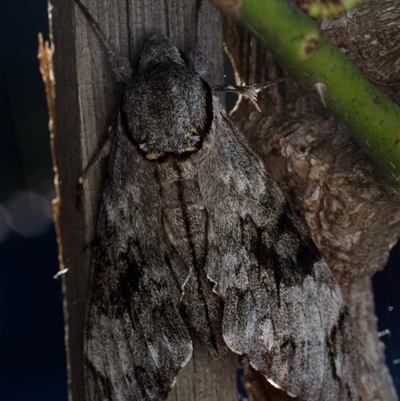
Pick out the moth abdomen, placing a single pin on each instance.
(185, 231)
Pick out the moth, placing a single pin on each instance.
(194, 233)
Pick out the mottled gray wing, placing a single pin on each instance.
(136, 341)
(283, 308)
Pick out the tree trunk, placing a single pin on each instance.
(352, 219)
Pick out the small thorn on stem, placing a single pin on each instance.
(321, 89)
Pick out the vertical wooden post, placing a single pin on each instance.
(86, 96)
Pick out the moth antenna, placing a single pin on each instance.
(200, 60)
(120, 65)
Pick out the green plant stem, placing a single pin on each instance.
(296, 43)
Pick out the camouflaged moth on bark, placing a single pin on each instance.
(193, 232)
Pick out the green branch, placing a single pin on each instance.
(296, 43)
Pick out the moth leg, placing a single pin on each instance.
(103, 152)
(120, 65)
(249, 91)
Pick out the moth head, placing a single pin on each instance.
(159, 48)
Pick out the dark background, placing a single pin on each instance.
(32, 355)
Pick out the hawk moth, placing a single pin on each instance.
(193, 231)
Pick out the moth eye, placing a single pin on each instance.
(144, 147)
